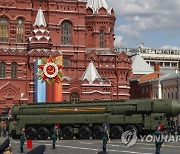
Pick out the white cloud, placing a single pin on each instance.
(128, 29)
(119, 42)
(146, 15)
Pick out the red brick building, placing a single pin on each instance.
(82, 32)
(141, 84)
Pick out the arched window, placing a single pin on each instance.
(74, 97)
(3, 30)
(101, 41)
(66, 34)
(2, 69)
(20, 30)
(13, 70)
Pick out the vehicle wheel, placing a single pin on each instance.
(31, 133)
(97, 132)
(132, 127)
(14, 135)
(84, 132)
(116, 132)
(42, 133)
(67, 133)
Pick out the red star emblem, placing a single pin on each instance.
(50, 70)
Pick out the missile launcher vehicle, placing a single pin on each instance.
(84, 120)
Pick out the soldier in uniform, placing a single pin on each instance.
(5, 147)
(105, 138)
(22, 139)
(54, 136)
(158, 139)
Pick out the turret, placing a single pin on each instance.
(100, 22)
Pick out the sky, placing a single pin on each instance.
(155, 23)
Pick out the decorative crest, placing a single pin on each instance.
(50, 70)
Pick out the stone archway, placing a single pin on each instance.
(9, 95)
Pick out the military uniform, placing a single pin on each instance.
(54, 137)
(105, 139)
(158, 140)
(22, 140)
(4, 145)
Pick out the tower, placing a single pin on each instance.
(100, 22)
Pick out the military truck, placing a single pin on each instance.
(85, 119)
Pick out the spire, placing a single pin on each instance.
(40, 37)
(91, 73)
(95, 5)
(40, 20)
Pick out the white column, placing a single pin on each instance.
(159, 90)
(178, 88)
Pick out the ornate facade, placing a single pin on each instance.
(82, 32)
(168, 59)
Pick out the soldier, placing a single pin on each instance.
(5, 147)
(54, 136)
(158, 140)
(22, 139)
(105, 138)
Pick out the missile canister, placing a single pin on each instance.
(170, 107)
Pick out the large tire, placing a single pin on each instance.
(31, 133)
(84, 132)
(116, 132)
(67, 133)
(132, 127)
(42, 133)
(97, 132)
(14, 135)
